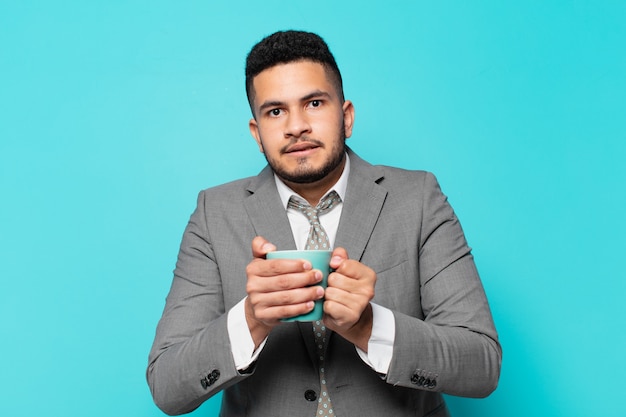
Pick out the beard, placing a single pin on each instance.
(305, 173)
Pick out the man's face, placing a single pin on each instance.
(300, 123)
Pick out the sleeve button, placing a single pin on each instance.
(210, 379)
(213, 376)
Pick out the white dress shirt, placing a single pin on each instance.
(380, 345)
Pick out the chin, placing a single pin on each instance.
(301, 177)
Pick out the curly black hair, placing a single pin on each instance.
(289, 46)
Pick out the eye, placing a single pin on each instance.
(315, 103)
(275, 112)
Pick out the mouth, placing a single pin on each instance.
(301, 147)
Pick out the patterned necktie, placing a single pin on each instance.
(318, 240)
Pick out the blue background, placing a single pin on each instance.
(113, 115)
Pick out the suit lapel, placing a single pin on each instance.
(362, 206)
(268, 216)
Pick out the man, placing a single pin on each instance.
(405, 313)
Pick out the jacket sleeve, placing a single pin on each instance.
(454, 347)
(191, 357)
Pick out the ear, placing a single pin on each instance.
(348, 118)
(254, 131)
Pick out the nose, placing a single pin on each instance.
(297, 124)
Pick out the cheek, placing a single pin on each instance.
(270, 132)
(268, 143)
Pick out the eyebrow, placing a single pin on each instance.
(310, 96)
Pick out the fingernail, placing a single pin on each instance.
(307, 265)
(318, 276)
(336, 259)
(268, 247)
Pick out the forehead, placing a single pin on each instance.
(291, 81)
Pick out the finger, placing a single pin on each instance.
(353, 270)
(339, 255)
(338, 281)
(277, 267)
(349, 299)
(338, 315)
(283, 312)
(287, 297)
(352, 285)
(345, 305)
(350, 269)
(261, 267)
(277, 305)
(349, 291)
(261, 246)
(334, 295)
(265, 278)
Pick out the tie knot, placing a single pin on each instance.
(325, 205)
(317, 238)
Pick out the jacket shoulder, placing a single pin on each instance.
(395, 178)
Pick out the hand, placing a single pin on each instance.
(347, 309)
(277, 288)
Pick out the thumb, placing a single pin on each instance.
(260, 247)
(339, 255)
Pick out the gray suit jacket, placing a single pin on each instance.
(395, 221)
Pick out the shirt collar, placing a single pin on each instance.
(340, 186)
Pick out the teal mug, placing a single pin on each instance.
(320, 259)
